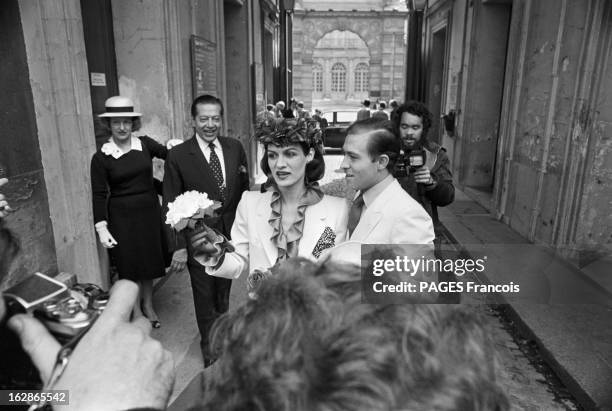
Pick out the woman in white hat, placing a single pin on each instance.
(127, 214)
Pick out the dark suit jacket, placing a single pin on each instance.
(186, 169)
(363, 113)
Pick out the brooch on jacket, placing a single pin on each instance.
(327, 240)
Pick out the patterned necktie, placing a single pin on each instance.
(355, 213)
(215, 165)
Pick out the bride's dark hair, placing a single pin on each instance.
(284, 132)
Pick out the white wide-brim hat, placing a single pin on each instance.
(119, 106)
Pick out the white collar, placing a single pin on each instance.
(111, 149)
(205, 144)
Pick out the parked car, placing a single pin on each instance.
(335, 133)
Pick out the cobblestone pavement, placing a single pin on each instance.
(526, 379)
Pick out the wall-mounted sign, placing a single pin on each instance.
(258, 83)
(203, 66)
(98, 79)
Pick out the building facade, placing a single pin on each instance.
(347, 51)
(62, 59)
(526, 86)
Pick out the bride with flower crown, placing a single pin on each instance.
(290, 218)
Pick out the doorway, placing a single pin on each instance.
(101, 61)
(484, 96)
(435, 86)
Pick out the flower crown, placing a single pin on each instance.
(285, 131)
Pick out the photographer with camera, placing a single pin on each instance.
(425, 172)
(116, 364)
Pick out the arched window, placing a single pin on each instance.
(362, 72)
(338, 73)
(317, 78)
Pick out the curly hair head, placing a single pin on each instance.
(415, 108)
(287, 131)
(284, 131)
(308, 343)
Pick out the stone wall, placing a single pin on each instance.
(59, 82)
(551, 168)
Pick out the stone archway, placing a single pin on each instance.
(380, 32)
(367, 29)
(335, 58)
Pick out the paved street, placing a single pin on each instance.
(527, 386)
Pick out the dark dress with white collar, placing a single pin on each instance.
(124, 195)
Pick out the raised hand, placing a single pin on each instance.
(117, 365)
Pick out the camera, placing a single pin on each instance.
(409, 162)
(65, 311)
(415, 159)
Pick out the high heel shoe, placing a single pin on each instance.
(155, 324)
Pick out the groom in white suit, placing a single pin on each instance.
(382, 212)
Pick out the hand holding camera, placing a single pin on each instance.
(409, 162)
(116, 365)
(423, 176)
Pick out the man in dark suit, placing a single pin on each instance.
(218, 166)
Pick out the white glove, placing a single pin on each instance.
(106, 238)
(173, 142)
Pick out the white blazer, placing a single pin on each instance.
(394, 217)
(251, 233)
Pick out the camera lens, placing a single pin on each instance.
(99, 303)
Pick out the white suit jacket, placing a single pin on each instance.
(394, 217)
(251, 233)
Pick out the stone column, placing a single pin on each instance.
(55, 47)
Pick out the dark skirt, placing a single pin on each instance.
(136, 224)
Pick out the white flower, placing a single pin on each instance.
(186, 206)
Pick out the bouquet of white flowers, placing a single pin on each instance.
(189, 208)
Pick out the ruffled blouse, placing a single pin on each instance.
(288, 242)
